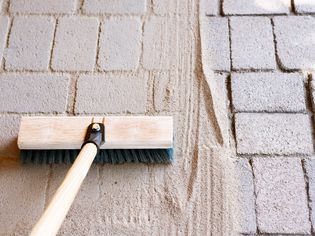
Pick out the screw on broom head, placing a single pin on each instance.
(151, 137)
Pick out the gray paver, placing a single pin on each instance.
(42, 6)
(4, 27)
(23, 53)
(33, 93)
(312, 88)
(295, 41)
(9, 127)
(211, 7)
(217, 45)
(309, 166)
(159, 43)
(252, 43)
(259, 133)
(120, 44)
(271, 92)
(244, 209)
(304, 6)
(250, 7)
(111, 94)
(75, 44)
(115, 6)
(281, 198)
(24, 188)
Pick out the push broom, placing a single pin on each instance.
(84, 140)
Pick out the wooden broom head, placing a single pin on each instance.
(121, 132)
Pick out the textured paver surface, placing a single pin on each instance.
(236, 75)
(281, 196)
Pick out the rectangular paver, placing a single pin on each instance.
(30, 43)
(159, 43)
(304, 6)
(259, 133)
(211, 7)
(115, 6)
(22, 196)
(33, 93)
(216, 45)
(120, 44)
(75, 44)
(166, 7)
(295, 41)
(309, 166)
(271, 92)
(42, 6)
(111, 94)
(251, 7)
(9, 127)
(281, 198)
(312, 88)
(252, 43)
(4, 27)
(244, 205)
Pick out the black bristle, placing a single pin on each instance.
(105, 156)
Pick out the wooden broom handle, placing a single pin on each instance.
(51, 220)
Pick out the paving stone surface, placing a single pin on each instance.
(304, 6)
(4, 27)
(115, 6)
(166, 7)
(217, 45)
(24, 192)
(244, 210)
(259, 133)
(23, 53)
(250, 7)
(120, 44)
(295, 41)
(43, 6)
(312, 90)
(249, 49)
(281, 198)
(309, 166)
(75, 44)
(42, 93)
(111, 94)
(268, 92)
(9, 127)
(159, 43)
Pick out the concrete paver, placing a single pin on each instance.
(42, 93)
(309, 166)
(295, 41)
(244, 210)
(98, 94)
(23, 53)
(24, 188)
(259, 133)
(4, 27)
(159, 43)
(304, 6)
(250, 7)
(120, 44)
(42, 6)
(75, 44)
(268, 92)
(281, 196)
(115, 6)
(251, 50)
(9, 127)
(217, 45)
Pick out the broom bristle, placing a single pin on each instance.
(110, 156)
